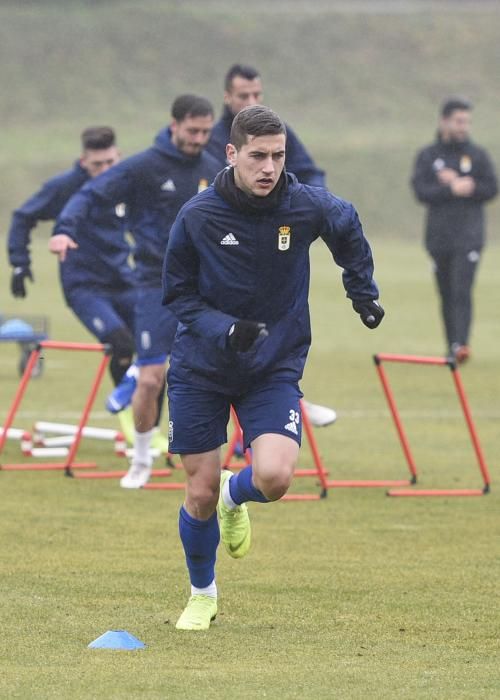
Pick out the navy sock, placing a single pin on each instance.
(200, 539)
(242, 489)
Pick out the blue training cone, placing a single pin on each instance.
(117, 639)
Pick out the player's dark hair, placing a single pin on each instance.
(241, 71)
(191, 106)
(454, 104)
(98, 138)
(255, 120)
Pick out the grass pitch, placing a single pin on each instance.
(354, 596)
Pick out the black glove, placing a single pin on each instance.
(17, 285)
(370, 311)
(243, 334)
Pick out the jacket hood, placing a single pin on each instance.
(163, 143)
(77, 166)
(227, 116)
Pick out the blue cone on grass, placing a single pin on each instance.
(15, 328)
(117, 639)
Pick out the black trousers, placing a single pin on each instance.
(455, 272)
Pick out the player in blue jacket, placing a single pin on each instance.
(97, 280)
(242, 88)
(236, 276)
(153, 184)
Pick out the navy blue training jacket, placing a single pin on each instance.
(153, 184)
(222, 265)
(44, 205)
(297, 159)
(101, 260)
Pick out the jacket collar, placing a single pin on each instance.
(226, 188)
(451, 145)
(163, 143)
(227, 116)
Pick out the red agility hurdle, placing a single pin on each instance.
(379, 359)
(69, 463)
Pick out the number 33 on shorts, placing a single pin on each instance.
(294, 418)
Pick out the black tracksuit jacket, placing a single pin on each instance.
(453, 223)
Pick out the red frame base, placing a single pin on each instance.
(44, 466)
(437, 492)
(369, 484)
(117, 474)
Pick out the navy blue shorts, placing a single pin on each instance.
(103, 312)
(198, 417)
(155, 327)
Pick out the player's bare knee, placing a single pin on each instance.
(150, 384)
(274, 485)
(201, 498)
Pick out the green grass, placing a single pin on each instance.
(354, 596)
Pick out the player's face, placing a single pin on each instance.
(96, 162)
(456, 127)
(258, 164)
(191, 134)
(243, 93)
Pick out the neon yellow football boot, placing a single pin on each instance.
(159, 441)
(234, 524)
(126, 420)
(200, 611)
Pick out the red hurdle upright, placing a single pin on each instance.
(69, 463)
(379, 359)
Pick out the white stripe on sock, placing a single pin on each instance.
(226, 495)
(210, 590)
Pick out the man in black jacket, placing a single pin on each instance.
(454, 178)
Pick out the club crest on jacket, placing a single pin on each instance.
(284, 235)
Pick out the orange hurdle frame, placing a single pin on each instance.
(69, 463)
(379, 359)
